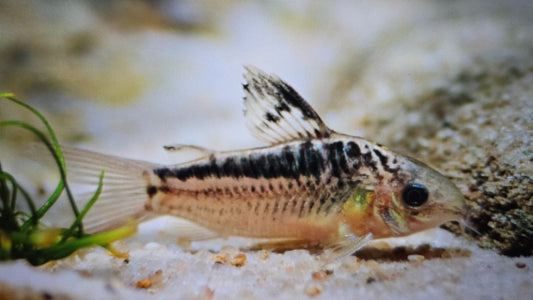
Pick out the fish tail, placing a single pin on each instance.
(124, 192)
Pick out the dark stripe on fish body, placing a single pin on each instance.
(384, 162)
(162, 173)
(183, 173)
(273, 165)
(229, 168)
(382, 158)
(288, 162)
(303, 160)
(302, 165)
(343, 163)
(352, 150)
(201, 171)
(214, 166)
(333, 153)
(369, 161)
(341, 184)
(264, 165)
(255, 164)
(245, 167)
(315, 161)
(310, 160)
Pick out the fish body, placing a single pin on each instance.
(311, 184)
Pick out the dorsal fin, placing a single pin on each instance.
(276, 113)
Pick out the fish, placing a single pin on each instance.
(310, 185)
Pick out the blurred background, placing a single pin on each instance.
(130, 76)
(448, 82)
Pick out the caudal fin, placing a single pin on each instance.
(124, 194)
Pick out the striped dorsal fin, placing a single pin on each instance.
(275, 113)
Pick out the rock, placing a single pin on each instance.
(487, 147)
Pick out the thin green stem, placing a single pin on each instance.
(56, 151)
(86, 208)
(53, 198)
(7, 215)
(63, 249)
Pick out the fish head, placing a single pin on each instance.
(416, 198)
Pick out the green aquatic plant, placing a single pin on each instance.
(22, 234)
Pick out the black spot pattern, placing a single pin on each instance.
(247, 169)
(290, 162)
(369, 161)
(309, 165)
(287, 93)
(384, 162)
(151, 190)
(337, 159)
(272, 118)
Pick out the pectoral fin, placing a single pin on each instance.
(343, 246)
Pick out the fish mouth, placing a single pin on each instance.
(461, 214)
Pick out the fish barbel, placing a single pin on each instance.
(310, 186)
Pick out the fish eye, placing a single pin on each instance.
(415, 195)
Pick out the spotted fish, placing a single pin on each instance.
(309, 186)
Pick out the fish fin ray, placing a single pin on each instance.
(124, 191)
(276, 113)
(343, 246)
(188, 230)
